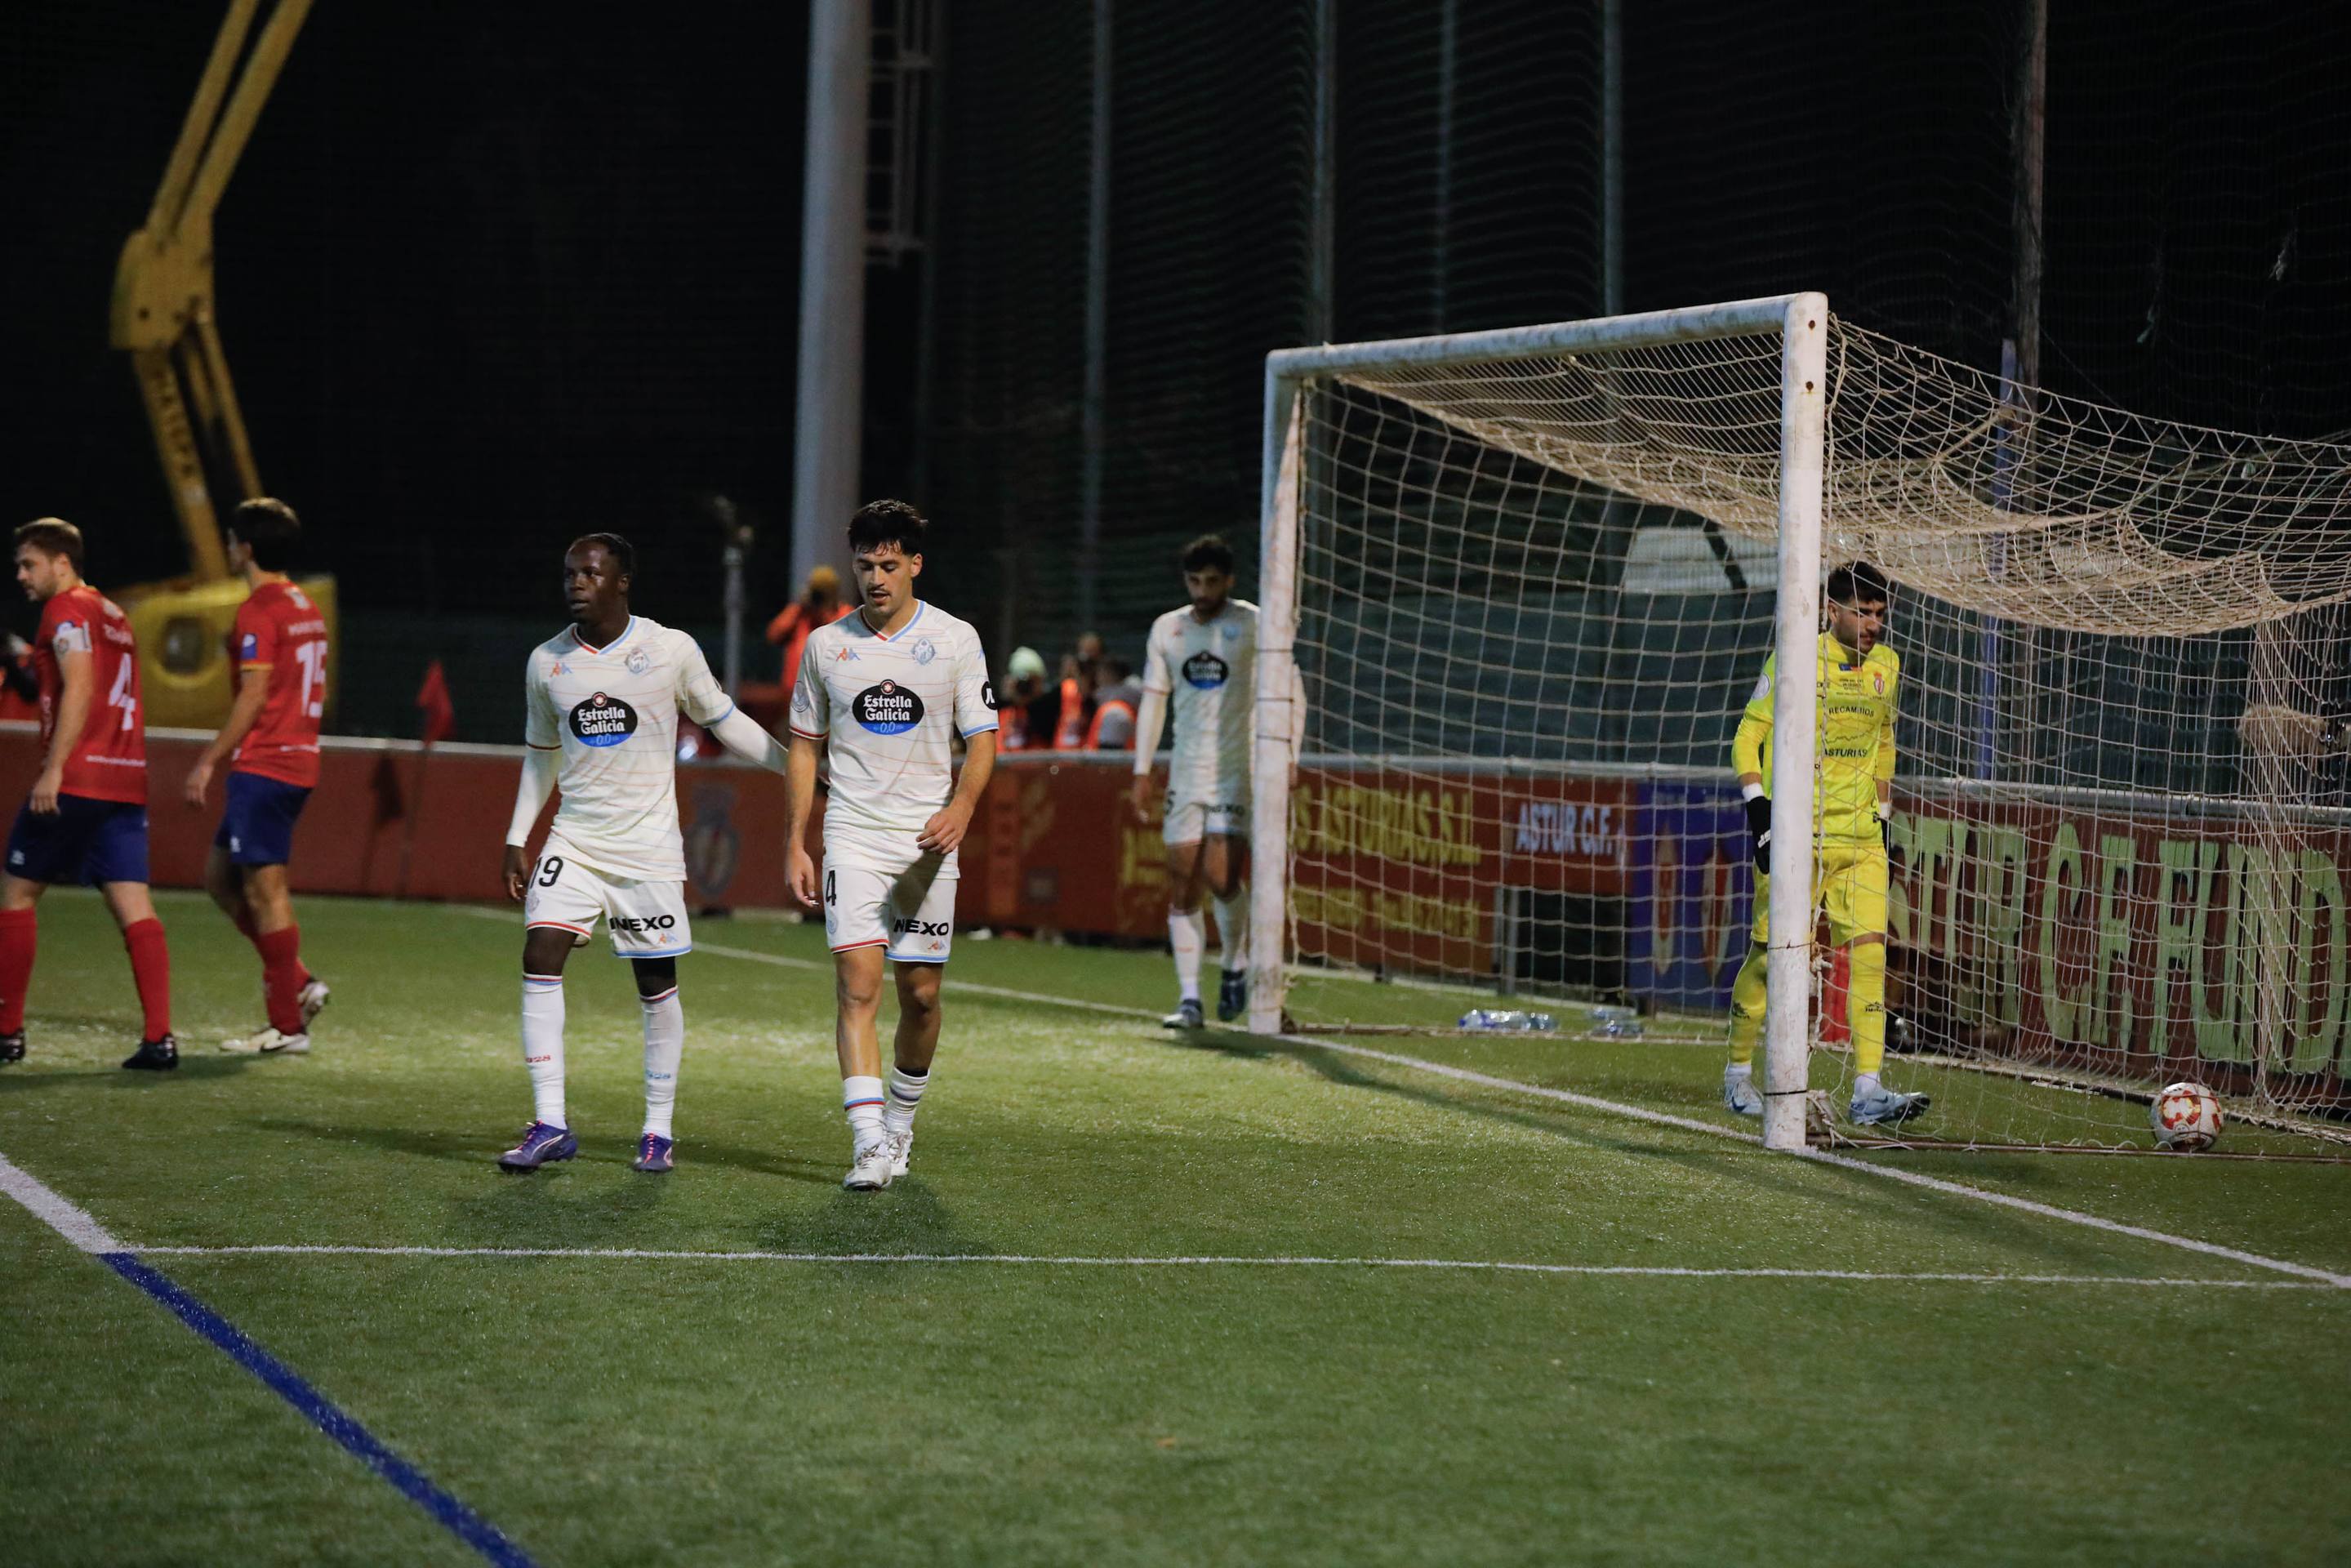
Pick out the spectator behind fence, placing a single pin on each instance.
(1024, 682)
(818, 605)
(1115, 701)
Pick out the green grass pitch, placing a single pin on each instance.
(2052, 1406)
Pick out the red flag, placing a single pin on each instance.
(432, 701)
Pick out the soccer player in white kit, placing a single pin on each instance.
(603, 696)
(884, 693)
(1201, 664)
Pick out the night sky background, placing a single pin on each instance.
(490, 275)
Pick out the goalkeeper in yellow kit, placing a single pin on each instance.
(1853, 802)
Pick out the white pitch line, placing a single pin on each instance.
(1611, 1271)
(59, 1215)
(1642, 1114)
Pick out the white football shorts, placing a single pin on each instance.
(1189, 819)
(647, 919)
(882, 900)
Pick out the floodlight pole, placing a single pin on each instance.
(829, 419)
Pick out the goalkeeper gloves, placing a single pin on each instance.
(1758, 826)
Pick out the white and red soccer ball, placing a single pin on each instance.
(2186, 1117)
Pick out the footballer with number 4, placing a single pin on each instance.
(271, 744)
(885, 692)
(86, 819)
(600, 703)
(1853, 808)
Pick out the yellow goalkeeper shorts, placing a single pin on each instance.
(1849, 880)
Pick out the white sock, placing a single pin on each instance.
(1740, 1070)
(542, 1043)
(1863, 1084)
(905, 1096)
(861, 1097)
(1232, 924)
(1187, 934)
(664, 1044)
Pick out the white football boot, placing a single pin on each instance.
(901, 1149)
(872, 1168)
(268, 1042)
(1739, 1093)
(1882, 1106)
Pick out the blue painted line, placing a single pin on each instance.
(320, 1412)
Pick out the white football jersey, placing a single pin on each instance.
(613, 710)
(1209, 671)
(888, 710)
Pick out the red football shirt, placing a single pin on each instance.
(280, 631)
(110, 761)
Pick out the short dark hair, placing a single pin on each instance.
(887, 522)
(268, 527)
(1858, 583)
(1207, 551)
(619, 549)
(53, 536)
(1115, 669)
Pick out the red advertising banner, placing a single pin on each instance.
(1401, 866)
(2107, 940)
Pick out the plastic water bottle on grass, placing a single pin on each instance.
(1509, 1020)
(1612, 1022)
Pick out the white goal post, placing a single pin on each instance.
(1801, 323)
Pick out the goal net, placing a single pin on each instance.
(1529, 579)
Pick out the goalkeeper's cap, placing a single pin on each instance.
(1027, 664)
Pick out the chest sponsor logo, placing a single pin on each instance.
(1206, 671)
(887, 709)
(604, 720)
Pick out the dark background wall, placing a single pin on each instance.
(493, 275)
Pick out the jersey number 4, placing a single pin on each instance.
(122, 696)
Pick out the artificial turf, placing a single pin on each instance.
(632, 1409)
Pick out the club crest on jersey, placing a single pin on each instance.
(925, 651)
(887, 709)
(638, 661)
(1878, 681)
(1206, 671)
(604, 720)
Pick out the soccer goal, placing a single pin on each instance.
(1530, 578)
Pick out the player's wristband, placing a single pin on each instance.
(1750, 791)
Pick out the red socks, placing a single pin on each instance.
(283, 978)
(18, 933)
(151, 969)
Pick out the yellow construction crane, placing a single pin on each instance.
(163, 316)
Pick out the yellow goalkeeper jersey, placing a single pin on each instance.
(1853, 738)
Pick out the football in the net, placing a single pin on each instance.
(2186, 1117)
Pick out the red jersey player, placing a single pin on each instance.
(86, 821)
(271, 742)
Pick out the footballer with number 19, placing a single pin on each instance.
(604, 697)
(271, 744)
(885, 692)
